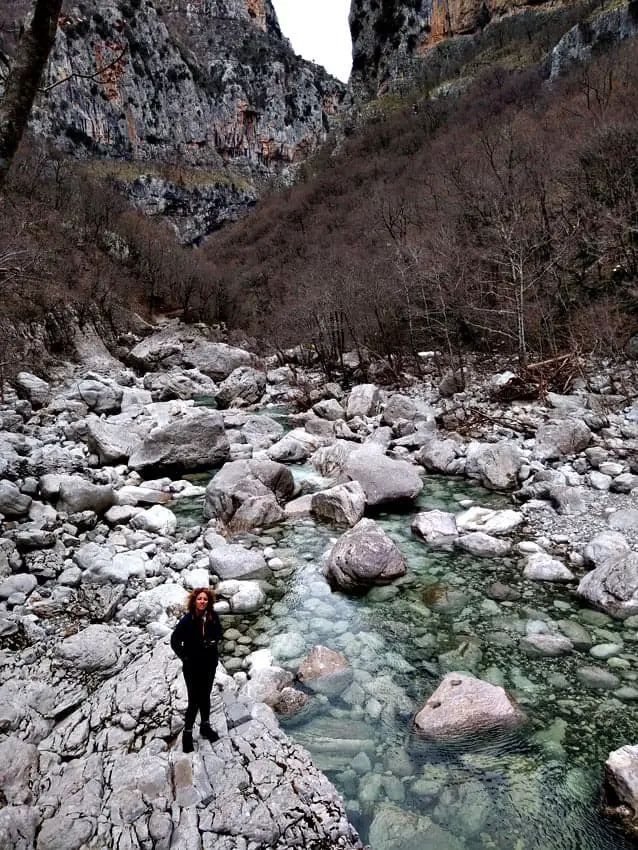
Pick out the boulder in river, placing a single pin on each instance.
(383, 479)
(613, 585)
(362, 557)
(241, 480)
(463, 705)
(195, 439)
(621, 785)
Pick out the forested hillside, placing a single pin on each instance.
(503, 220)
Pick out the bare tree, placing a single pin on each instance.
(22, 83)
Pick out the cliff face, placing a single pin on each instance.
(205, 80)
(208, 84)
(386, 35)
(391, 39)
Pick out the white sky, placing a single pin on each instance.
(318, 30)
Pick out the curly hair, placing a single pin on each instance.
(192, 596)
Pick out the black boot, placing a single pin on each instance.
(187, 740)
(206, 732)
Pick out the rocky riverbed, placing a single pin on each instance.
(363, 551)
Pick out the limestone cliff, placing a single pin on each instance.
(394, 40)
(207, 84)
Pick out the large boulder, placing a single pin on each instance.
(242, 596)
(102, 564)
(483, 545)
(216, 359)
(262, 431)
(488, 520)
(234, 561)
(266, 684)
(495, 465)
(330, 461)
(621, 782)
(240, 480)
(13, 503)
(437, 528)
(196, 439)
(183, 346)
(556, 439)
(603, 547)
(156, 520)
(439, 456)
(363, 401)
(362, 557)
(383, 479)
(76, 494)
(463, 705)
(99, 396)
(164, 386)
(156, 604)
(613, 586)
(112, 442)
(244, 383)
(22, 583)
(288, 450)
(343, 504)
(257, 512)
(34, 389)
(95, 648)
(539, 566)
(399, 407)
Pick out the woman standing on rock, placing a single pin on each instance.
(195, 640)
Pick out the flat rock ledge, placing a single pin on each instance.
(111, 772)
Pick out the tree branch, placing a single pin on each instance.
(24, 78)
(76, 75)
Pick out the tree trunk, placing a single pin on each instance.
(24, 78)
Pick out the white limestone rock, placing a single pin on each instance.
(463, 705)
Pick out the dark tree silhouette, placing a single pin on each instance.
(22, 83)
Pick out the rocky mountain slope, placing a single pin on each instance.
(398, 45)
(211, 85)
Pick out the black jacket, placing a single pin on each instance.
(193, 646)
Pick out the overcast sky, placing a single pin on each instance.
(318, 30)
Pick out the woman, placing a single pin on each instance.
(195, 640)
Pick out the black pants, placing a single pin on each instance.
(199, 684)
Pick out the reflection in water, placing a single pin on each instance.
(534, 789)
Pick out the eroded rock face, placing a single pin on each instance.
(205, 84)
(463, 705)
(388, 38)
(111, 767)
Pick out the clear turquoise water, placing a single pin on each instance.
(536, 789)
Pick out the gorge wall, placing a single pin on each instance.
(396, 43)
(210, 85)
